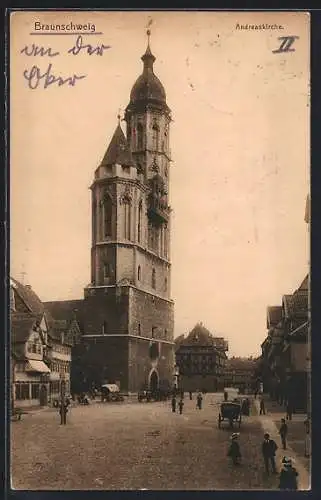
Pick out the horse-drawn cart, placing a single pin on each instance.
(230, 411)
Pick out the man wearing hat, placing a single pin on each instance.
(269, 448)
(234, 450)
(288, 475)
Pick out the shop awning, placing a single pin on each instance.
(37, 366)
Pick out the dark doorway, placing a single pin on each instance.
(153, 382)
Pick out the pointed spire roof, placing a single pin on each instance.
(148, 87)
(118, 150)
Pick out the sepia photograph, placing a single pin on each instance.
(159, 250)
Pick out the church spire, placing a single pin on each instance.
(148, 58)
(118, 151)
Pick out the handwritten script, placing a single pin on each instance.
(37, 78)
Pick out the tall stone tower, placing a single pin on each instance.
(128, 313)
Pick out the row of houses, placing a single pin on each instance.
(284, 361)
(40, 349)
(240, 373)
(49, 353)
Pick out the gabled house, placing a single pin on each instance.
(201, 358)
(29, 341)
(40, 353)
(284, 351)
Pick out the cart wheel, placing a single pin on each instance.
(219, 421)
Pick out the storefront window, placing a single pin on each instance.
(35, 391)
(22, 391)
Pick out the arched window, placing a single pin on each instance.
(94, 220)
(139, 329)
(139, 228)
(140, 131)
(139, 273)
(155, 136)
(127, 221)
(153, 278)
(107, 208)
(106, 270)
(165, 242)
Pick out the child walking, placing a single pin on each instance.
(234, 450)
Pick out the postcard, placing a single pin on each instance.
(159, 235)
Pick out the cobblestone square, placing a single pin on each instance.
(134, 446)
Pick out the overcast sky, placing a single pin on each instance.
(240, 148)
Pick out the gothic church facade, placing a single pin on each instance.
(127, 315)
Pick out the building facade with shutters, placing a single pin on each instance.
(127, 315)
(201, 359)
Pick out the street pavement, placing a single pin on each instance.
(134, 446)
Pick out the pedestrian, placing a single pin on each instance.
(269, 448)
(63, 410)
(246, 407)
(289, 410)
(181, 406)
(190, 395)
(288, 475)
(283, 433)
(199, 401)
(262, 406)
(173, 404)
(255, 393)
(234, 450)
(307, 447)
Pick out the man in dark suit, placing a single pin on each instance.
(269, 448)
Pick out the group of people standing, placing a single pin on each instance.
(288, 478)
(180, 404)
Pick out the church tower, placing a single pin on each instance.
(128, 312)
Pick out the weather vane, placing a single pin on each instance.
(148, 32)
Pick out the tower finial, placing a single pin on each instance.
(148, 57)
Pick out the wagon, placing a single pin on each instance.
(111, 392)
(230, 411)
